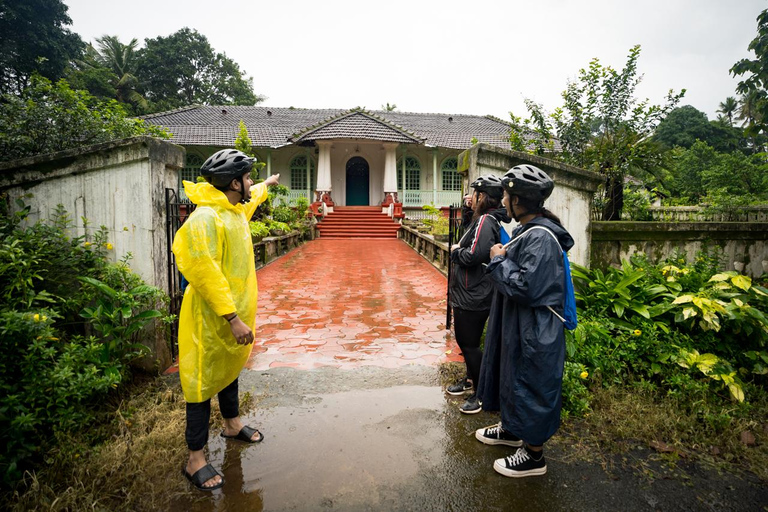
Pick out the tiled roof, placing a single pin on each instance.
(274, 127)
(358, 125)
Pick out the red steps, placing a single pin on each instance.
(358, 222)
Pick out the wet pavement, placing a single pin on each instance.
(345, 380)
(351, 303)
(389, 439)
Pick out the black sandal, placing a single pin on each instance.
(202, 475)
(245, 435)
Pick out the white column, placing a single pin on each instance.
(324, 167)
(390, 168)
(434, 177)
(269, 162)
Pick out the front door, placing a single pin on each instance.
(357, 182)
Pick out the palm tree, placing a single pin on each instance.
(121, 60)
(749, 113)
(728, 108)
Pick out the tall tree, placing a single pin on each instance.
(728, 108)
(183, 69)
(108, 72)
(34, 38)
(121, 60)
(601, 127)
(754, 87)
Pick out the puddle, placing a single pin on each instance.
(396, 448)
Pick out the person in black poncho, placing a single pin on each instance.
(522, 370)
(471, 288)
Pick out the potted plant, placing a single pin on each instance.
(277, 228)
(440, 229)
(258, 230)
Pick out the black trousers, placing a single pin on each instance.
(468, 326)
(199, 416)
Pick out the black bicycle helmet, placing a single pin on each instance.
(490, 184)
(224, 166)
(528, 182)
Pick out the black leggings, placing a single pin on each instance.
(468, 326)
(199, 416)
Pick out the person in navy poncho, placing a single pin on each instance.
(522, 370)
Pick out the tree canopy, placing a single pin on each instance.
(49, 117)
(183, 69)
(685, 125)
(601, 127)
(34, 38)
(754, 87)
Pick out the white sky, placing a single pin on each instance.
(481, 57)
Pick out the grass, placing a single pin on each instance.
(623, 418)
(138, 445)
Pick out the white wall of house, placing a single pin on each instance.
(430, 160)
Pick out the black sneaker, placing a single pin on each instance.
(472, 405)
(520, 464)
(459, 388)
(494, 435)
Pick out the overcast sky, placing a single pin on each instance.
(470, 57)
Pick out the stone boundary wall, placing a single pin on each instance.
(744, 245)
(272, 247)
(120, 185)
(698, 214)
(430, 249)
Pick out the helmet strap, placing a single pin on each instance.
(243, 200)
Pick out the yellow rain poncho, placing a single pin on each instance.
(214, 251)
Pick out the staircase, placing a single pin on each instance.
(358, 222)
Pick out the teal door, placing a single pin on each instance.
(357, 182)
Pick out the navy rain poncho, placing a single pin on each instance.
(522, 370)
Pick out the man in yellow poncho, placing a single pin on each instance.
(214, 252)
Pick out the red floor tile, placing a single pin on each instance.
(349, 303)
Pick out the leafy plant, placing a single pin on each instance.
(50, 117)
(437, 222)
(259, 229)
(117, 318)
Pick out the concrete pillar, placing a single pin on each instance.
(323, 192)
(434, 177)
(390, 174)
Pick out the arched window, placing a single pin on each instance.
(451, 178)
(412, 174)
(299, 173)
(191, 169)
(189, 172)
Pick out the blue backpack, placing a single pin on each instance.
(569, 318)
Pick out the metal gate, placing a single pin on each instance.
(176, 212)
(455, 232)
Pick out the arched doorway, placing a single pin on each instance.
(357, 182)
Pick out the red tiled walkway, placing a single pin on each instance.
(346, 303)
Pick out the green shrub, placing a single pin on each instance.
(575, 392)
(70, 323)
(278, 226)
(671, 324)
(284, 214)
(259, 229)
